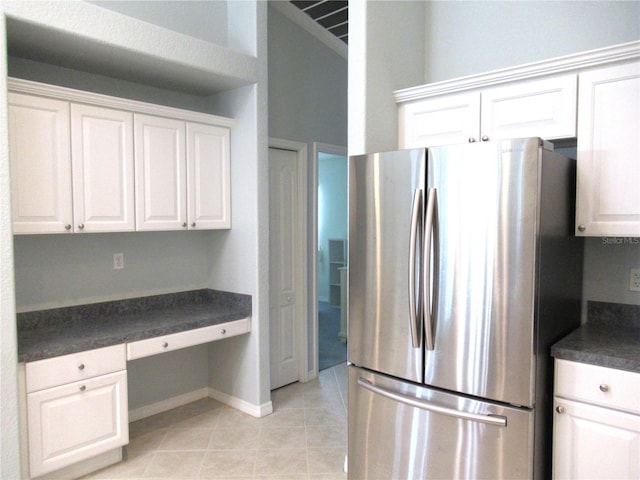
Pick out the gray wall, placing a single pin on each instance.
(206, 20)
(307, 86)
(468, 37)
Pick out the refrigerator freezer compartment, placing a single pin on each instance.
(401, 430)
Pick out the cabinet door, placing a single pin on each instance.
(608, 198)
(40, 156)
(102, 153)
(440, 121)
(541, 108)
(161, 200)
(594, 442)
(209, 177)
(77, 421)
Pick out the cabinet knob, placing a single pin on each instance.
(560, 409)
(81, 366)
(67, 226)
(223, 331)
(165, 344)
(193, 224)
(81, 226)
(485, 138)
(604, 387)
(184, 225)
(582, 228)
(83, 388)
(472, 140)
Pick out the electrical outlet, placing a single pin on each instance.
(634, 280)
(118, 261)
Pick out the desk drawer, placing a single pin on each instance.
(188, 338)
(608, 387)
(56, 371)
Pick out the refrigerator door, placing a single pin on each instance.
(398, 430)
(484, 297)
(386, 193)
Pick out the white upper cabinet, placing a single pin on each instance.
(440, 120)
(209, 176)
(161, 173)
(183, 175)
(608, 198)
(40, 158)
(538, 108)
(102, 159)
(72, 167)
(82, 162)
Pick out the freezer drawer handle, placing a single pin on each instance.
(497, 420)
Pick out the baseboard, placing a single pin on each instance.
(168, 404)
(178, 401)
(242, 405)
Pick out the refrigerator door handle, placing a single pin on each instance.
(416, 223)
(496, 420)
(430, 224)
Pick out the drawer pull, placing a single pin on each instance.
(83, 388)
(165, 344)
(81, 366)
(560, 409)
(604, 387)
(223, 331)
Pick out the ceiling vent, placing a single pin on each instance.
(331, 15)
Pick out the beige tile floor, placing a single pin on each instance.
(304, 438)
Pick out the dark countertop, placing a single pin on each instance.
(610, 338)
(60, 331)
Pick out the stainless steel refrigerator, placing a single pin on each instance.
(463, 270)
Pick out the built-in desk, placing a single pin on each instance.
(74, 375)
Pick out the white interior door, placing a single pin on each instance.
(285, 266)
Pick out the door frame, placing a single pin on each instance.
(302, 298)
(318, 148)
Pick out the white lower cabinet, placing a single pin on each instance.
(596, 423)
(75, 421)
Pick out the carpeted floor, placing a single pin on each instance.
(331, 350)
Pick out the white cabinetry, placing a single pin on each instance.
(188, 338)
(40, 155)
(161, 173)
(208, 176)
(608, 198)
(83, 162)
(182, 174)
(72, 167)
(596, 423)
(76, 407)
(102, 167)
(543, 108)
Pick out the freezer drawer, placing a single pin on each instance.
(398, 430)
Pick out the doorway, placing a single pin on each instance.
(331, 254)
